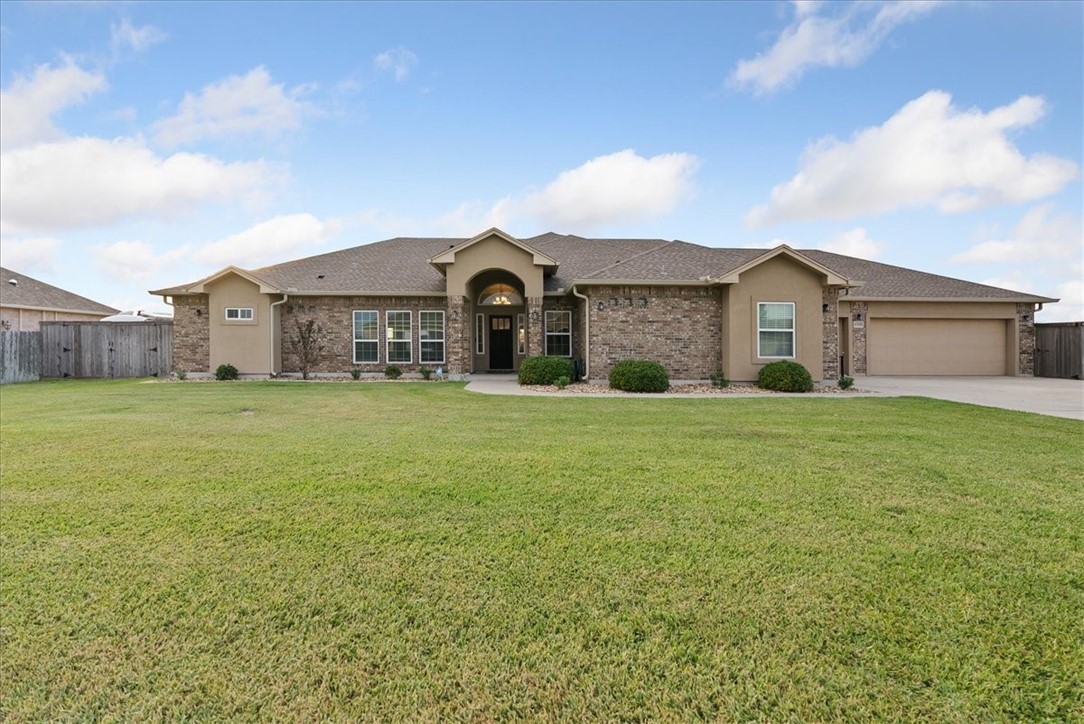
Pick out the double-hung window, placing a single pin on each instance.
(398, 336)
(775, 329)
(366, 337)
(559, 334)
(431, 336)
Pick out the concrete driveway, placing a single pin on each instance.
(1044, 395)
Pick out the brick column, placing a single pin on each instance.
(458, 342)
(191, 333)
(536, 341)
(858, 336)
(1025, 320)
(830, 333)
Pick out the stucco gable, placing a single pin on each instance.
(538, 258)
(831, 277)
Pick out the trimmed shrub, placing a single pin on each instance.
(544, 370)
(639, 375)
(785, 376)
(226, 372)
(393, 372)
(718, 379)
(355, 372)
(425, 372)
(182, 375)
(562, 382)
(846, 382)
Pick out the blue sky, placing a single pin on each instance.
(145, 145)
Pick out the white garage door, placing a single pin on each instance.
(936, 346)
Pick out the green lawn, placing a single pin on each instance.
(393, 551)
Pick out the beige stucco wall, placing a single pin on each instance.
(29, 320)
(493, 253)
(777, 280)
(244, 344)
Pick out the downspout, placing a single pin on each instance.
(271, 352)
(586, 332)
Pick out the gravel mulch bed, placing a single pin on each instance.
(734, 389)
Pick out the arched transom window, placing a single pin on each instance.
(500, 295)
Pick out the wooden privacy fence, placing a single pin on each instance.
(1059, 349)
(20, 357)
(107, 349)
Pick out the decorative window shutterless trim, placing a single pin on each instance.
(240, 314)
(480, 334)
(431, 336)
(775, 330)
(521, 334)
(559, 334)
(398, 341)
(366, 337)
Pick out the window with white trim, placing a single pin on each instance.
(480, 334)
(366, 337)
(775, 329)
(431, 336)
(398, 324)
(521, 334)
(559, 334)
(239, 314)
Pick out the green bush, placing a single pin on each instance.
(182, 375)
(544, 370)
(718, 379)
(639, 375)
(355, 372)
(226, 372)
(393, 372)
(425, 372)
(785, 376)
(845, 382)
(562, 382)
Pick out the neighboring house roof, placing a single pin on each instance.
(404, 265)
(30, 293)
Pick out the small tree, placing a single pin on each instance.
(305, 343)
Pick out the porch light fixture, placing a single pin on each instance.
(535, 315)
(858, 316)
(455, 315)
(825, 308)
(601, 306)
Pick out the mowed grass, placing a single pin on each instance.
(414, 551)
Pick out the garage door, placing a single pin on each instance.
(936, 346)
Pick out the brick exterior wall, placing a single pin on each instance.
(1025, 318)
(830, 333)
(858, 336)
(457, 333)
(335, 317)
(191, 333)
(679, 327)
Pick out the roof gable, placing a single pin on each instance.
(266, 287)
(448, 256)
(832, 278)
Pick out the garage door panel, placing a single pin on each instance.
(937, 346)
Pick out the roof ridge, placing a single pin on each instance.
(619, 262)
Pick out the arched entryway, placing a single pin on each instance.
(499, 328)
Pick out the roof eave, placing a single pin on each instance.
(1022, 299)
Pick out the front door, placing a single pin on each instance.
(500, 343)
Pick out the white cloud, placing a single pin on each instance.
(854, 243)
(929, 153)
(238, 105)
(127, 36)
(1038, 235)
(619, 187)
(815, 40)
(86, 182)
(29, 102)
(26, 255)
(1071, 306)
(399, 61)
(268, 241)
(134, 260)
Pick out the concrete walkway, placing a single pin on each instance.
(1042, 395)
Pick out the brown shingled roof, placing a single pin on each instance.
(401, 266)
(30, 293)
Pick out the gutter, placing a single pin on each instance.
(271, 335)
(586, 332)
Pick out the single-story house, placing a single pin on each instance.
(26, 302)
(485, 303)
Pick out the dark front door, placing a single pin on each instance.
(500, 343)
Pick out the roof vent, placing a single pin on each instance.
(13, 282)
(319, 276)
